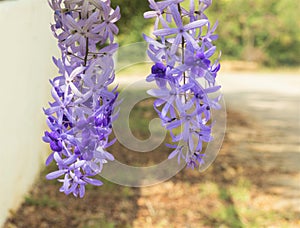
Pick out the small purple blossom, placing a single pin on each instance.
(81, 115)
(159, 70)
(195, 160)
(181, 31)
(158, 9)
(185, 75)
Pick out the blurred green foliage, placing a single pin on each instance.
(132, 23)
(263, 31)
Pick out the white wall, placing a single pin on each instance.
(26, 47)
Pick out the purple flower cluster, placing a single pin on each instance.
(80, 117)
(185, 75)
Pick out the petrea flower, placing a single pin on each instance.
(158, 9)
(182, 57)
(181, 31)
(195, 160)
(107, 27)
(79, 31)
(159, 51)
(81, 115)
(157, 12)
(170, 95)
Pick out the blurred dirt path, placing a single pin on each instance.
(274, 102)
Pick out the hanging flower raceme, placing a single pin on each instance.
(181, 50)
(81, 115)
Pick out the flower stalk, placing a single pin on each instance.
(81, 115)
(182, 49)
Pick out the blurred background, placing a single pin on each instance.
(255, 180)
(265, 32)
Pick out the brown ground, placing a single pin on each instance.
(233, 192)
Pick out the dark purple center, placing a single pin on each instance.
(159, 70)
